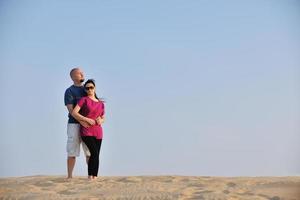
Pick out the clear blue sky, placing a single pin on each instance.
(192, 87)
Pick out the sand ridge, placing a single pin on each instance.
(151, 187)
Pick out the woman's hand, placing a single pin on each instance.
(100, 120)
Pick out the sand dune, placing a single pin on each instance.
(151, 187)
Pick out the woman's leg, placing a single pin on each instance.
(93, 162)
(98, 146)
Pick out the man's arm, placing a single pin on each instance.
(70, 109)
(79, 117)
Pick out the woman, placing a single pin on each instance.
(91, 110)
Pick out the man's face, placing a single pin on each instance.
(78, 76)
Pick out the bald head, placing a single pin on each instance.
(77, 75)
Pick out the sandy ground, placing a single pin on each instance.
(151, 187)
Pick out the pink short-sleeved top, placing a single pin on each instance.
(91, 109)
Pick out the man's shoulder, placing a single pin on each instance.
(68, 90)
(74, 88)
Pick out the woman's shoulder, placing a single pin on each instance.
(101, 101)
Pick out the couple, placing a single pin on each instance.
(86, 115)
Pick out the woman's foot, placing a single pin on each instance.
(92, 177)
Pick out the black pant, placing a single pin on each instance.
(94, 146)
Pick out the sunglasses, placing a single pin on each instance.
(88, 88)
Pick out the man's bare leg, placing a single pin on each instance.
(71, 164)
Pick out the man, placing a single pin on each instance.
(72, 96)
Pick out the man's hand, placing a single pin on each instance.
(90, 121)
(84, 124)
(100, 120)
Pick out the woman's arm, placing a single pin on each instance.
(79, 117)
(100, 120)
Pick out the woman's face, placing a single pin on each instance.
(90, 89)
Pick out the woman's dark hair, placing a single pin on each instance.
(92, 81)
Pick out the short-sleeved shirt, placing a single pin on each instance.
(91, 109)
(72, 96)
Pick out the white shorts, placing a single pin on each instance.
(74, 140)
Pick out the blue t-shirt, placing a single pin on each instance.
(72, 96)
